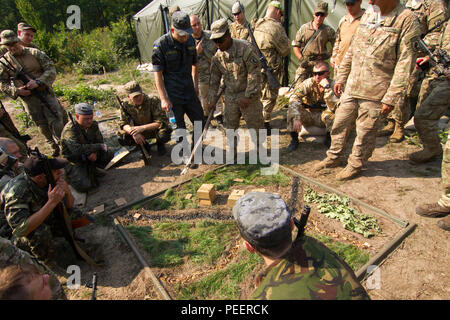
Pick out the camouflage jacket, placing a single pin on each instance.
(11, 255)
(309, 92)
(204, 59)
(20, 198)
(5, 229)
(75, 147)
(309, 271)
(429, 13)
(378, 64)
(273, 42)
(149, 111)
(239, 31)
(319, 45)
(240, 69)
(35, 62)
(444, 45)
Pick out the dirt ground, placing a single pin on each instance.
(417, 269)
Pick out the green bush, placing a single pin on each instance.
(84, 93)
(123, 39)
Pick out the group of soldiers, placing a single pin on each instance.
(373, 54)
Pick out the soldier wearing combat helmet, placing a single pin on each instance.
(303, 269)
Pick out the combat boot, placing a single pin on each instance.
(444, 223)
(398, 134)
(161, 148)
(56, 151)
(425, 155)
(294, 142)
(432, 210)
(348, 173)
(388, 129)
(327, 163)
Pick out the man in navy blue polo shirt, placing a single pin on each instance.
(174, 62)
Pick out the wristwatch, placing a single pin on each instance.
(38, 82)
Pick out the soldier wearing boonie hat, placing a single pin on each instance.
(303, 269)
(83, 146)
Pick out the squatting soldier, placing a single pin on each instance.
(239, 28)
(149, 121)
(83, 146)
(8, 130)
(375, 71)
(237, 64)
(303, 269)
(314, 92)
(433, 103)
(46, 113)
(26, 33)
(206, 48)
(10, 255)
(28, 202)
(430, 14)
(310, 44)
(274, 44)
(346, 29)
(175, 64)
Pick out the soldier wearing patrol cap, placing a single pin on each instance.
(310, 44)
(149, 121)
(83, 146)
(26, 33)
(303, 269)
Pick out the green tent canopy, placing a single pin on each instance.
(149, 21)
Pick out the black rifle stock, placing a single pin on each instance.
(322, 106)
(94, 287)
(144, 151)
(13, 131)
(301, 224)
(271, 80)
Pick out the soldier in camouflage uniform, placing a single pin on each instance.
(430, 13)
(274, 44)
(48, 117)
(315, 91)
(375, 71)
(303, 269)
(206, 48)
(433, 103)
(11, 255)
(237, 64)
(9, 130)
(28, 203)
(26, 33)
(239, 28)
(83, 146)
(310, 44)
(149, 121)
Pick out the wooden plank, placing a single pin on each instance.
(122, 153)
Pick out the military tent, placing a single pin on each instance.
(150, 21)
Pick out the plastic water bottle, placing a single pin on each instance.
(171, 116)
(98, 113)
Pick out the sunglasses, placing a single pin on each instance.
(236, 14)
(320, 73)
(319, 14)
(350, 4)
(221, 39)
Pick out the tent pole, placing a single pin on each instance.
(207, 15)
(286, 28)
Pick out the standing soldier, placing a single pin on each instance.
(310, 44)
(375, 71)
(37, 94)
(83, 146)
(431, 13)
(149, 121)
(239, 28)
(274, 44)
(206, 48)
(26, 33)
(237, 64)
(433, 103)
(346, 30)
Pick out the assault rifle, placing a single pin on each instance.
(292, 207)
(271, 80)
(165, 21)
(12, 130)
(321, 106)
(61, 211)
(143, 147)
(439, 60)
(91, 165)
(24, 76)
(93, 286)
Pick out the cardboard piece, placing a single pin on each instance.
(234, 196)
(122, 153)
(120, 202)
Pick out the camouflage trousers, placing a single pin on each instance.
(161, 135)
(203, 89)
(308, 117)
(5, 229)
(434, 100)
(82, 176)
(269, 96)
(233, 112)
(49, 122)
(445, 171)
(368, 118)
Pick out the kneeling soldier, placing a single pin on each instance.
(142, 118)
(83, 146)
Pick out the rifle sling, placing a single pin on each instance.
(314, 36)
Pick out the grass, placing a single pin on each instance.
(171, 243)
